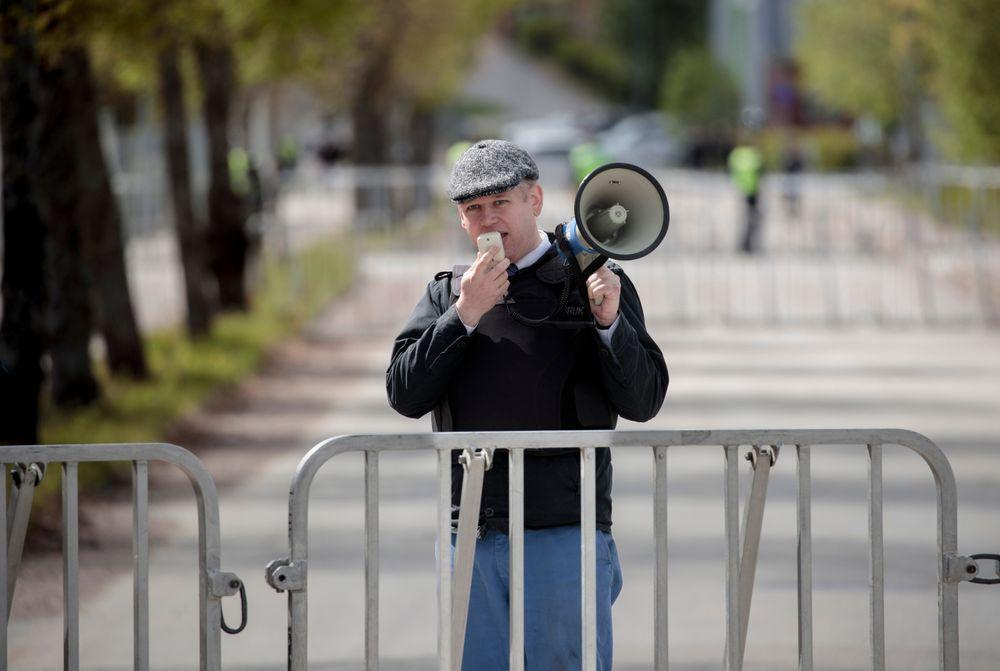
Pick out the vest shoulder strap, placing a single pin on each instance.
(456, 281)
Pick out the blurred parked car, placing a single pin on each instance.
(546, 136)
(645, 139)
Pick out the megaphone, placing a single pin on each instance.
(620, 212)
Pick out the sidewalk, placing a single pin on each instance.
(331, 381)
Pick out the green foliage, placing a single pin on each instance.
(824, 148)
(848, 63)
(298, 40)
(619, 48)
(877, 57)
(965, 35)
(700, 93)
(953, 205)
(650, 33)
(601, 68)
(422, 47)
(974, 208)
(437, 45)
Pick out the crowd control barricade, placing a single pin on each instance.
(290, 574)
(29, 464)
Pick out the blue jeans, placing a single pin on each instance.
(553, 635)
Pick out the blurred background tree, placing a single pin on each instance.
(87, 251)
(381, 79)
(700, 93)
(896, 61)
(848, 60)
(388, 65)
(964, 35)
(651, 33)
(22, 332)
(227, 234)
(620, 48)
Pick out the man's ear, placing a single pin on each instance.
(536, 197)
(461, 219)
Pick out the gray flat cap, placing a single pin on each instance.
(489, 167)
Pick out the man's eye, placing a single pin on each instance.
(500, 203)
(472, 208)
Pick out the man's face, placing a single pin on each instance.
(512, 214)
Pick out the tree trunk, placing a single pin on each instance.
(22, 331)
(101, 225)
(371, 198)
(422, 139)
(59, 179)
(227, 234)
(189, 237)
(369, 117)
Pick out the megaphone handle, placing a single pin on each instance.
(593, 266)
(579, 275)
(587, 272)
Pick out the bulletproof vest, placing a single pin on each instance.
(517, 376)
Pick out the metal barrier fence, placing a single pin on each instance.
(290, 574)
(916, 248)
(213, 583)
(859, 249)
(868, 248)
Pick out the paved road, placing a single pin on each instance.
(944, 384)
(724, 375)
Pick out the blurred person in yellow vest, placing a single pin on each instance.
(585, 158)
(745, 167)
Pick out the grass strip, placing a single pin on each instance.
(186, 373)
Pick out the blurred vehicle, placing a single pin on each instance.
(705, 150)
(645, 139)
(556, 134)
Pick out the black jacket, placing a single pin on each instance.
(511, 376)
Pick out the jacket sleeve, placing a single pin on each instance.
(632, 368)
(426, 353)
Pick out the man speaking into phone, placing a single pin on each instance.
(502, 345)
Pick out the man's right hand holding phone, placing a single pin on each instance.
(483, 285)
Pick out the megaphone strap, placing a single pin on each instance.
(528, 321)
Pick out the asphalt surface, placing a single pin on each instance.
(941, 383)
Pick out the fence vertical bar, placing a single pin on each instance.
(732, 503)
(3, 566)
(516, 535)
(371, 560)
(752, 522)
(444, 560)
(981, 258)
(140, 568)
(661, 633)
(876, 566)
(588, 558)
(17, 524)
(71, 568)
(465, 550)
(804, 519)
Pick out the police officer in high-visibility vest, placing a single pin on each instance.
(475, 355)
(745, 166)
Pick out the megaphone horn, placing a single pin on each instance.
(620, 212)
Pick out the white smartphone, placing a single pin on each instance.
(491, 239)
